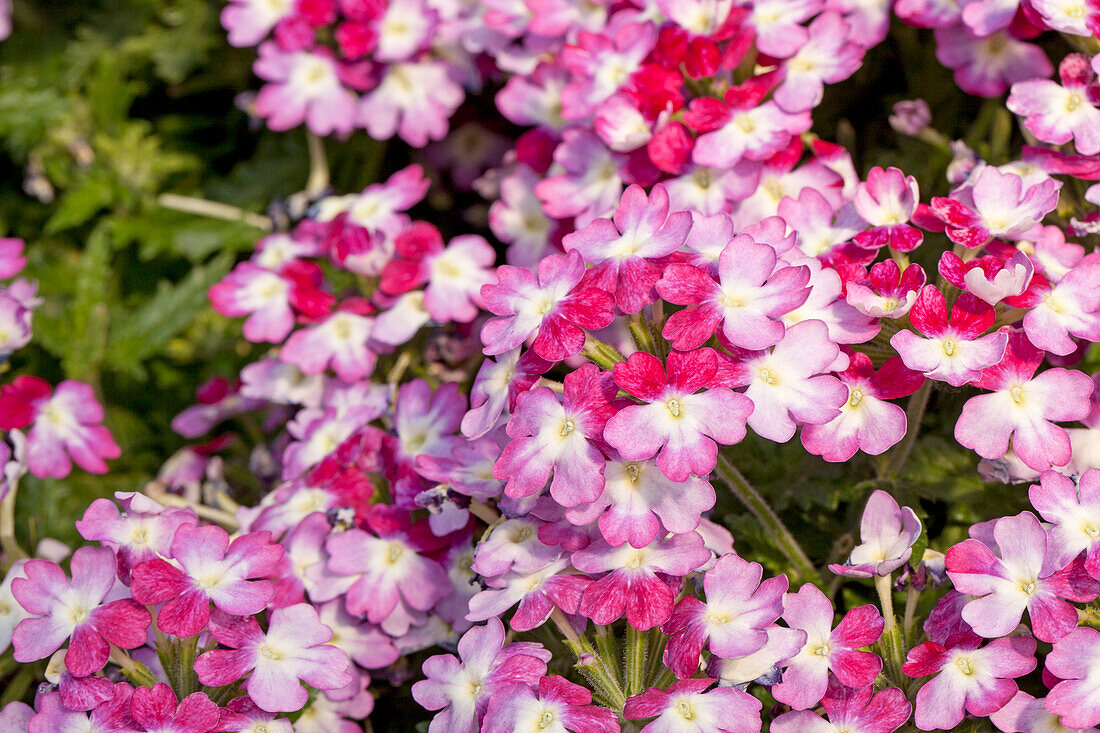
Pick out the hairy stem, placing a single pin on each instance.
(591, 664)
(637, 644)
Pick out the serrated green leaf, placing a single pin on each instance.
(88, 313)
(80, 203)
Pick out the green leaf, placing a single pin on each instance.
(81, 202)
(88, 313)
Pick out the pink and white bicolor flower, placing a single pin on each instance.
(747, 301)
(294, 649)
(989, 278)
(887, 201)
(952, 351)
(1057, 311)
(996, 205)
(806, 677)
(969, 678)
(340, 340)
(63, 610)
(1075, 661)
(687, 707)
(1019, 578)
(678, 420)
(1023, 407)
(850, 710)
(1058, 113)
(538, 593)
(555, 707)
(887, 533)
(303, 86)
(1073, 510)
(887, 292)
(738, 609)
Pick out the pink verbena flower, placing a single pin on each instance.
(64, 426)
(11, 613)
(53, 716)
(887, 292)
(634, 583)
(207, 567)
(1073, 510)
(751, 295)
(497, 387)
(687, 707)
(788, 385)
(1060, 113)
(1023, 407)
(1019, 578)
(537, 592)
(413, 100)
(986, 16)
(639, 503)
(968, 678)
(887, 533)
(589, 183)
(555, 707)
(778, 24)
(555, 306)
(952, 351)
(268, 298)
(996, 205)
(738, 609)
(156, 710)
(249, 21)
(600, 64)
(462, 687)
(806, 677)
(294, 649)
(623, 249)
(887, 202)
(1025, 713)
(340, 340)
(990, 278)
(73, 610)
(828, 56)
(856, 710)
(12, 260)
(678, 420)
(1074, 661)
(562, 438)
(425, 421)
(988, 66)
(1059, 310)
(303, 86)
(866, 421)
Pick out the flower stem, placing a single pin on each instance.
(8, 543)
(136, 671)
(603, 354)
(892, 645)
(591, 664)
(643, 338)
(912, 595)
(637, 644)
(801, 565)
(914, 411)
(214, 210)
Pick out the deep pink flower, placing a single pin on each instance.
(53, 716)
(737, 610)
(687, 707)
(538, 593)
(634, 584)
(952, 351)
(461, 688)
(294, 647)
(266, 297)
(855, 710)
(208, 567)
(553, 306)
(155, 709)
(678, 420)
(623, 249)
(866, 421)
(887, 533)
(12, 260)
(64, 610)
(557, 706)
(1074, 661)
(1023, 407)
(751, 294)
(1016, 578)
(887, 292)
(562, 438)
(806, 677)
(887, 202)
(1073, 510)
(968, 679)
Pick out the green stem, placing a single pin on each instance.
(643, 339)
(187, 677)
(914, 412)
(136, 671)
(801, 564)
(891, 645)
(605, 355)
(8, 543)
(886, 599)
(637, 644)
(591, 664)
(655, 662)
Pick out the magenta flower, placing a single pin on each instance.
(1023, 407)
(262, 295)
(952, 351)
(887, 292)
(1019, 578)
(64, 426)
(553, 306)
(751, 294)
(639, 503)
(828, 56)
(806, 677)
(62, 610)
(537, 592)
(557, 706)
(634, 583)
(678, 420)
(562, 438)
(858, 710)
(887, 532)
(866, 421)
(461, 688)
(623, 249)
(1074, 661)
(995, 205)
(388, 570)
(208, 567)
(1060, 113)
(54, 716)
(887, 202)
(1073, 510)
(143, 530)
(686, 707)
(294, 649)
(738, 609)
(788, 385)
(968, 679)
(303, 86)
(340, 340)
(990, 278)
(155, 709)
(1062, 309)
(12, 260)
